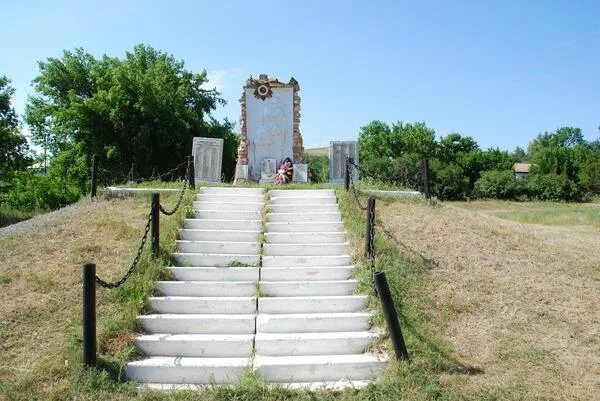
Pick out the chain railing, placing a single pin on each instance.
(185, 184)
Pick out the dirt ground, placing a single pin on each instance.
(519, 301)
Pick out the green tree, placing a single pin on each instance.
(559, 152)
(13, 145)
(143, 109)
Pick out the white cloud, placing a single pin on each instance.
(219, 79)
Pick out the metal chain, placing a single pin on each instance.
(353, 187)
(371, 250)
(136, 260)
(185, 184)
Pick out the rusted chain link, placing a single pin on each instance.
(135, 262)
(153, 177)
(185, 185)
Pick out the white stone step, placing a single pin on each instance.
(312, 368)
(187, 370)
(225, 225)
(305, 237)
(312, 322)
(227, 215)
(311, 249)
(320, 200)
(215, 273)
(312, 304)
(219, 235)
(207, 288)
(307, 208)
(197, 345)
(233, 206)
(203, 305)
(301, 217)
(306, 273)
(338, 385)
(306, 261)
(198, 323)
(218, 260)
(296, 227)
(295, 193)
(248, 248)
(213, 197)
(336, 343)
(231, 191)
(307, 288)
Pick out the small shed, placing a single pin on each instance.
(521, 169)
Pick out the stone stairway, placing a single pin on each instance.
(203, 323)
(311, 329)
(305, 325)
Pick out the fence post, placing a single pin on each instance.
(426, 178)
(347, 175)
(94, 176)
(369, 235)
(155, 210)
(191, 173)
(89, 314)
(391, 316)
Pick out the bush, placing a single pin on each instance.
(318, 167)
(500, 185)
(449, 182)
(552, 187)
(30, 191)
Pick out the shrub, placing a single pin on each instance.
(449, 182)
(30, 191)
(499, 184)
(318, 168)
(552, 187)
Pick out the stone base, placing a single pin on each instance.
(241, 173)
(300, 173)
(266, 181)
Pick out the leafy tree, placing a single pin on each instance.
(376, 140)
(558, 152)
(419, 139)
(13, 145)
(143, 109)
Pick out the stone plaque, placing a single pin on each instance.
(300, 173)
(338, 151)
(208, 157)
(268, 169)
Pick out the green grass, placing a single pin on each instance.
(10, 216)
(324, 151)
(4, 279)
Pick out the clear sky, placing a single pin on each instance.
(500, 71)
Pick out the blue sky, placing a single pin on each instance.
(499, 71)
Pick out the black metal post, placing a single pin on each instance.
(391, 316)
(347, 175)
(426, 187)
(155, 223)
(191, 173)
(369, 234)
(89, 314)
(94, 176)
(132, 173)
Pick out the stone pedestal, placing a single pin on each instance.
(208, 157)
(300, 173)
(338, 151)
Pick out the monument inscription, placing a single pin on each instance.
(338, 152)
(208, 158)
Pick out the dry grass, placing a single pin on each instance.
(521, 301)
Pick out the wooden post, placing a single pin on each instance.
(426, 184)
(191, 173)
(94, 177)
(391, 317)
(89, 314)
(155, 209)
(370, 229)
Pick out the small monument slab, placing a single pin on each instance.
(300, 173)
(208, 159)
(338, 152)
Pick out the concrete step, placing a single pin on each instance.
(305, 237)
(213, 197)
(301, 217)
(231, 191)
(307, 288)
(306, 261)
(311, 304)
(320, 200)
(248, 248)
(312, 322)
(215, 273)
(336, 343)
(203, 305)
(207, 288)
(227, 215)
(217, 260)
(187, 370)
(197, 345)
(198, 323)
(295, 193)
(306, 273)
(309, 249)
(298, 227)
(338, 385)
(306, 208)
(233, 206)
(225, 225)
(320, 368)
(219, 235)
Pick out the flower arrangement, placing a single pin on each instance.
(285, 172)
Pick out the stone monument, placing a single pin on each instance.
(338, 151)
(269, 125)
(208, 158)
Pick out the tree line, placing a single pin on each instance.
(564, 166)
(141, 110)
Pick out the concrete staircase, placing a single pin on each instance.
(307, 328)
(203, 326)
